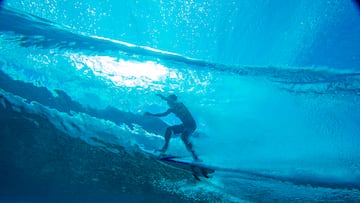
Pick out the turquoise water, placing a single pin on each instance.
(274, 88)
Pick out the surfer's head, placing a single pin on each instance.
(171, 98)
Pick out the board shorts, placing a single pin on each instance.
(179, 129)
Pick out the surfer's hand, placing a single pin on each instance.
(161, 96)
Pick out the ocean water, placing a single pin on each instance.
(273, 86)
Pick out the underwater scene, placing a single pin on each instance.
(258, 101)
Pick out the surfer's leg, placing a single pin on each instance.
(167, 139)
(172, 129)
(188, 144)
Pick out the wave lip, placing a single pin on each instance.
(30, 30)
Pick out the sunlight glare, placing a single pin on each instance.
(124, 73)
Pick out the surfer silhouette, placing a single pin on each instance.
(187, 127)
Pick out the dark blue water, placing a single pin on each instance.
(274, 88)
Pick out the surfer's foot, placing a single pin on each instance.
(195, 156)
(196, 159)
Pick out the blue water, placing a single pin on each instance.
(274, 88)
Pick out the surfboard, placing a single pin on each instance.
(197, 169)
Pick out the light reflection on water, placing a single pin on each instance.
(125, 73)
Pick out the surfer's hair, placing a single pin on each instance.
(172, 97)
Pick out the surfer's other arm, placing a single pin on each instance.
(162, 97)
(158, 114)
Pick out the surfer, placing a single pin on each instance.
(187, 127)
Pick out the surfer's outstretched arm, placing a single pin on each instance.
(158, 114)
(162, 97)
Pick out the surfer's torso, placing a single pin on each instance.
(180, 110)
